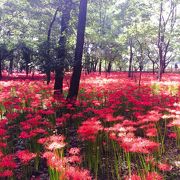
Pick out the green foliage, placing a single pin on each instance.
(110, 26)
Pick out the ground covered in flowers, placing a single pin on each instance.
(119, 128)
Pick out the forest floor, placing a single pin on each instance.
(119, 128)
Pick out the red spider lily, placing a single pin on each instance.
(42, 140)
(89, 129)
(140, 145)
(38, 131)
(46, 112)
(96, 103)
(164, 167)
(3, 145)
(128, 123)
(1, 154)
(8, 162)
(6, 173)
(29, 116)
(78, 115)
(77, 173)
(60, 121)
(74, 151)
(172, 135)
(153, 176)
(121, 131)
(152, 116)
(25, 156)
(3, 123)
(25, 126)
(55, 145)
(174, 123)
(2, 132)
(48, 155)
(110, 118)
(104, 113)
(53, 142)
(150, 159)
(148, 126)
(12, 116)
(133, 177)
(24, 135)
(35, 121)
(151, 132)
(112, 136)
(55, 162)
(74, 159)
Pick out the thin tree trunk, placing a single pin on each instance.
(48, 68)
(100, 66)
(11, 65)
(26, 55)
(130, 59)
(75, 79)
(160, 42)
(0, 69)
(109, 67)
(153, 67)
(59, 69)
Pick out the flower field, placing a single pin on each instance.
(117, 129)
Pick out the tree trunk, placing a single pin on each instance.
(59, 69)
(75, 79)
(100, 66)
(0, 69)
(11, 65)
(27, 60)
(26, 57)
(48, 75)
(130, 59)
(109, 67)
(153, 67)
(95, 65)
(48, 68)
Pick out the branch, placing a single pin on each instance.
(51, 24)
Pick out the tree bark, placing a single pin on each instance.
(59, 69)
(0, 69)
(100, 66)
(163, 45)
(11, 60)
(109, 67)
(75, 79)
(130, 59)
(26, 56)
(48, 68)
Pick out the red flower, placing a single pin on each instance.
(1, 154)
(153, 176)
(89, 129)
(74, 151)
(12, 116)
(24, 135)
(77, 174)
(139, 144)
(7, 161)
(172, 135)
(151, 132)
(25, 156)
(74, 159)
(2, 132)
(3, 145)
(164, 167)
(53, 142)
(133, 177)
(150, 159)
(6, 173)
